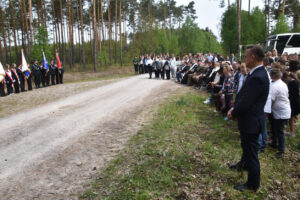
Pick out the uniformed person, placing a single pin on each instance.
(61, 75)
(43, 74)
(36, 70)
(8, 80)
(53, 72)
(21, 78)
(15, 78)
(2, 92)
(136, 64)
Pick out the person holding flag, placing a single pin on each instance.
(45, 71)
(2, 77)
(26, 71)
(22, 78)
(15, 78)
(9, 80)
(60, 73)
(53, 69)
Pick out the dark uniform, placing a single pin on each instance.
(43, 75)
(136, 65)
(53, 73)
(36, 70)
(61, 75)
(167, 69)
(9, 84)
(48, 74)
(15, 78)
(29, 82)
(2, 92)
(21, 78)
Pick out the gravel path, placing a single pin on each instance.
(54, 151)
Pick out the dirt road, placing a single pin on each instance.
(54, 151)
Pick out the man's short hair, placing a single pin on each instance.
(275, 74)
(294, 65)
(258, 51)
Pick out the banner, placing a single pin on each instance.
(45, 63)
(24, 65)
(2, 72)
(58, 61)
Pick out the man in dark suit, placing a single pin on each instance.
(249, 111)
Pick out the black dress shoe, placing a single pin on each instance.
(244, 187)
(238, 166)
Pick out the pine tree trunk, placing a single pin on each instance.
(249, 9)
(269, 16)
(44, 13)
(116, 31)
(239, 25)
(109, 27)
(82, 36)
(70, 35)
(283, 7)
(12, 12)
(3, 34)
(9, 42)
(30, 22)
(78, 30)
(102, 22)
(120, 22)
(54, 24)
(279, 8)
(26, 24)
(99, 27)
(95, 37)
(62, 32)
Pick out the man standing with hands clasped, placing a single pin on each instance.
(249, 111)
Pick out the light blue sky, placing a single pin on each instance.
(209, 14)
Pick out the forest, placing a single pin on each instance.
(90, 34)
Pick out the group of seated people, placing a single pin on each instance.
(224, 78)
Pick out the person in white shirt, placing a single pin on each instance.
(281, 111)
(149, 66)
(209, 57)
(173, 66)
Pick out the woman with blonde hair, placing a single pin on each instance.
(228, 88)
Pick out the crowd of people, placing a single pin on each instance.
(262, 88)
(15, 79)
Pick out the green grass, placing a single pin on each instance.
(183, 154)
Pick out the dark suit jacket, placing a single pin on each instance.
(250, 102)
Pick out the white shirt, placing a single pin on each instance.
(216, 59)
(209, 58)
(217, 78)
(173, 62)
(241, 82)
(281, 108)
(149, 62)
(268, 106)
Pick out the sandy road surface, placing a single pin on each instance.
(54, 151)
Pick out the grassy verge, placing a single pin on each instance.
(183, 154)
(111, 72)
